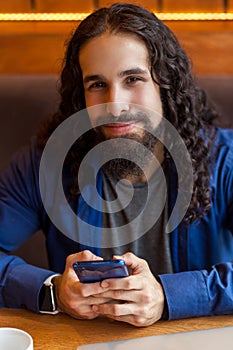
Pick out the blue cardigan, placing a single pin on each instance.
(202, 253)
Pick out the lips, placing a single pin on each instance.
(120, 128)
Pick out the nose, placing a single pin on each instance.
(117, 108)
(116, 102)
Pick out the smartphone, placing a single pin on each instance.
(99, 270)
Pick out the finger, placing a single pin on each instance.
(97, 301)
(85, 255)
(137, 321)
(114, 309)
(87, 289)
(125, 313)
(125, 283)
(122, 295)
(83, 312)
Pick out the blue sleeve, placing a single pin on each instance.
(19, 200)
(199, 293)
(20, 212)
(20, 283)
(209, 292)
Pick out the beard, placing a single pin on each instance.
(123, 150)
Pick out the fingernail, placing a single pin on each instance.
(95, 308)
(104, 284)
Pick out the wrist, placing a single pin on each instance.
(56, 284)
(47, 298)
(165, 312)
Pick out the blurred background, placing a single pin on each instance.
(32, 51)
(36, 47)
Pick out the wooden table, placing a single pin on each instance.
(63, 332)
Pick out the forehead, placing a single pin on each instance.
(113, 51)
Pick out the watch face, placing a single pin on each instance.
(47, 300)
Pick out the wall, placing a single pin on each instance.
(38, 47)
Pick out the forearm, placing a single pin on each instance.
(199, 293)
(20, 283)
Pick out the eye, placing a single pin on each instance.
(96, 85)
(133, 79)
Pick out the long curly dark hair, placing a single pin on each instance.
(184, 104)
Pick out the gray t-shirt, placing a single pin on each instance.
(150, 201)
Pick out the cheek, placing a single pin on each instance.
(157, 106)
(150, 99)
(95, 112)
(93, 99)
(89, 100)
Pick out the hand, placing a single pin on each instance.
(76, 298)
(141, 294)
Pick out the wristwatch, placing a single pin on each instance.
(47, 298)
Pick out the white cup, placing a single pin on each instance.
(15, 339)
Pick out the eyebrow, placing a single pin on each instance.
(132, 71)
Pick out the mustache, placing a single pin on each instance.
(123, 118)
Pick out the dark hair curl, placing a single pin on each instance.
(184, 104)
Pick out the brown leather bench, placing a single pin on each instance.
(26, 99)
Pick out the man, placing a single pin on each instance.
(121, 64)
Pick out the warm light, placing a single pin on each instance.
(218, 16)
(205, 16)
(43, 16)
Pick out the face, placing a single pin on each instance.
(117, 79)
(116, 75)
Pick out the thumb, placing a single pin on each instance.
(133, 262)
